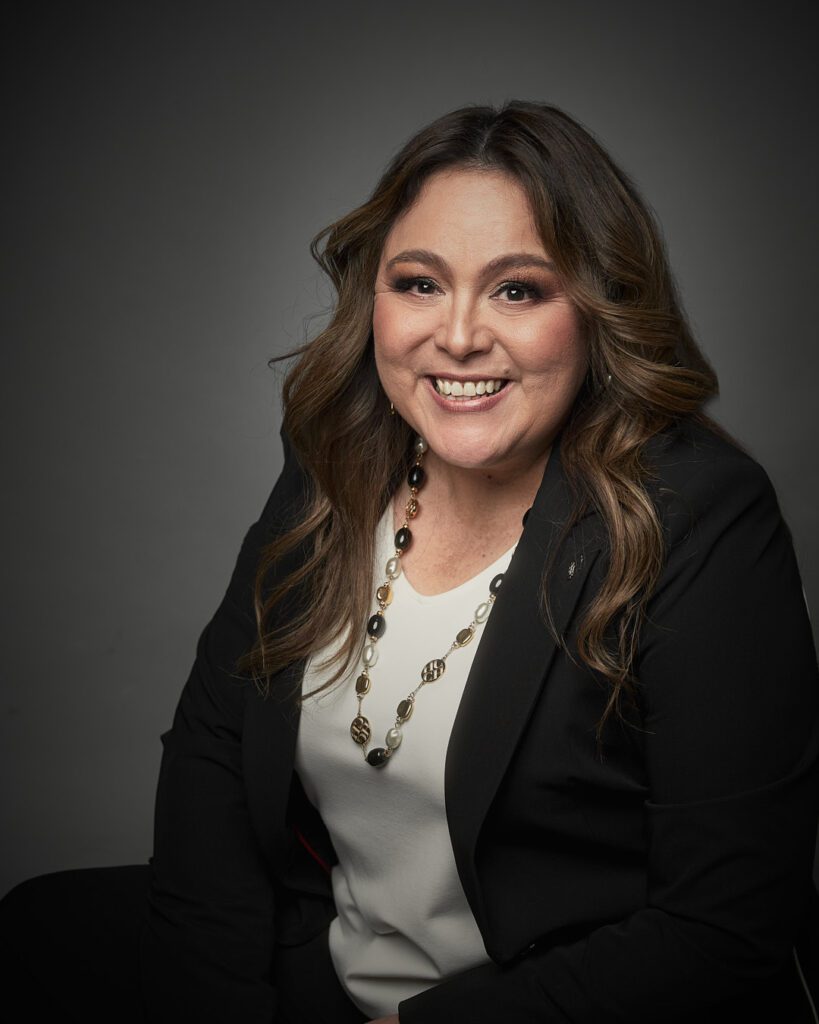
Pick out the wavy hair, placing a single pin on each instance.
(611, 258)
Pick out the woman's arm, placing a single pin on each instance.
(207, 945)
(731, 697)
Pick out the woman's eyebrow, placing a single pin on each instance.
(508, 261)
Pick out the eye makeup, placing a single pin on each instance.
(404, 283)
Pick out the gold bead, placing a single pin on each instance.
(362, 684)
(360, 729)
(411, 508)
(433, 670)
(384, 594)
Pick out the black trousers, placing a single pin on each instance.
(69, 945)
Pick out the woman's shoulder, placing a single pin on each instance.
(698, 473)
(689, 446)
(290, 493)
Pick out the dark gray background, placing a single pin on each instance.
(166, 168)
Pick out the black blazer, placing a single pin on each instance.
(668, 881)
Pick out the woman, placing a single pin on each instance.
(510, 710)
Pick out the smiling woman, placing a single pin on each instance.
(470, 327)
(508, 535)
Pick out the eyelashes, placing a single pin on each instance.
(516, 286)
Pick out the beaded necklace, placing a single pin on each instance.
(360, 728)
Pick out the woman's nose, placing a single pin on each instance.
(463, 332)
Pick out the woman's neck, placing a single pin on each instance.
(467, 519)
(481, 490)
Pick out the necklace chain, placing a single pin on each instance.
(360, 728)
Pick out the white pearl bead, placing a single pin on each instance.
(420, 445)
(369, 655)
(393, 568)
(394, 738)
(482, 611)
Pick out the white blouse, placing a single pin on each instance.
(403, 921)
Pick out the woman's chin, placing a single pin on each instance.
(468, 455)
(474, 451)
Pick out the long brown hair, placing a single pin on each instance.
(611, 258)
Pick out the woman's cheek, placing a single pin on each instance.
(386, 326)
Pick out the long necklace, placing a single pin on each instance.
(360, 728)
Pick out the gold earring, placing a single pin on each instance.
(392, 409)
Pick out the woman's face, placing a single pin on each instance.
(465, 297)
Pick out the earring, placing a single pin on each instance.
(392, 409)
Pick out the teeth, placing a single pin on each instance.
(468, 389)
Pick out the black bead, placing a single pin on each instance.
(526, 515)
(377, 757)
(495, 585)
(416, 477)
(377, 626)
(403, 538)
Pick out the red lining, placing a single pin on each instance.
(316, 856)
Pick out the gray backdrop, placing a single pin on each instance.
(166, 167)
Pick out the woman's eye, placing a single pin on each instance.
(406, 284)
(519, 291)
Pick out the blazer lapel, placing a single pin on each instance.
(268, 753)
(510, 665)
(270, 730)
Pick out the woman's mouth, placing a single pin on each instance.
(457, 390)
(475, 395)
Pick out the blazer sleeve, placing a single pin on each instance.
(730, 696)
(206, 945)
